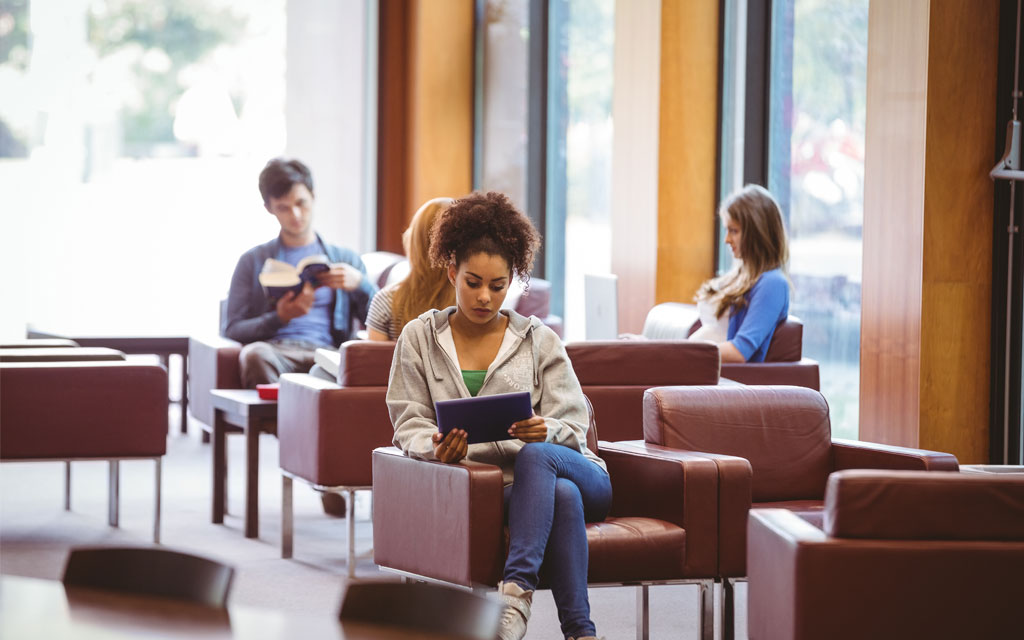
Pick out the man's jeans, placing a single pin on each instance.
(556, 491)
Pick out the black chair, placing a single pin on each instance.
(152, 572)
(423, 607)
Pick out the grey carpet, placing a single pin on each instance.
(36, 534)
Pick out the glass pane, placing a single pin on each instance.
(580, 69)
(505, 79)
(138, 125)
(816, 170)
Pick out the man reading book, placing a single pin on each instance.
(281, 333)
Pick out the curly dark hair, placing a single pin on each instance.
(484, 223)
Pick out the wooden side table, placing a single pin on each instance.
(240, 411)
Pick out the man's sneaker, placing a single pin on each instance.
(516, 612)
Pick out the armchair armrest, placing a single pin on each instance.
(440, 520)
(213, 364)
(852, 454)
(650, 479)
(326, 432)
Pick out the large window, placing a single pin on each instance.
(131, 134)
(579, 153)
(544, 131)
(806, 144)
(816, 170)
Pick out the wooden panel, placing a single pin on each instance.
(441, 99)
(392, 124)
(927, 225)
(425, 140)
(634, 192)
(687, 148)
(958, 201)
(893, 221)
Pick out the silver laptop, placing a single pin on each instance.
(601, 301)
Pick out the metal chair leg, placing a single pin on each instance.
(707, 609)
(643, 613)
(350, 508)
(287, 525)
(156, 503)
(67, 485)
(728, 609)
(114, 486)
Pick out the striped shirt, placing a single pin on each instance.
(381, 317)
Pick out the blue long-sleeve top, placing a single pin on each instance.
(752, 327)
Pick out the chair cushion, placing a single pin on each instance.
(783, 431)
(625, 549)
(812, 511)
(924, 505)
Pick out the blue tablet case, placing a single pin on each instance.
(484, 418)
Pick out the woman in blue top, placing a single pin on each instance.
(754, 294)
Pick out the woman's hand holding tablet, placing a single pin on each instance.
(452, 446)
(530, 430)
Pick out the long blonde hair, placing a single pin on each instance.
(425, 287)
(763, 246)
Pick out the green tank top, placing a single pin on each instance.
(474, 379)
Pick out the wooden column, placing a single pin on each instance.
(928, 225)
(687, 151)
(425, 140)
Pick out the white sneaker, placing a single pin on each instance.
(516, 613)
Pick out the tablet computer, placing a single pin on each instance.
(484, 418)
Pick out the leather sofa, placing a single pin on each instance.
(86, 410)
(444, 522)
(327, 431)
(783, 364)
(785, 434)
(615, 374)
(902, 555)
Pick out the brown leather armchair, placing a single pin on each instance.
(902, 555)
(444, 522)
(785, 434)
(327, 431)
(616, 373)
(783, 364)
(86, 410)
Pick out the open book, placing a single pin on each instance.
(278, 278)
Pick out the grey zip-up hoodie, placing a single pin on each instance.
(534, 360)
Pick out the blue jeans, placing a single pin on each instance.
(555, 493)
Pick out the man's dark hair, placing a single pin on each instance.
(280, 175)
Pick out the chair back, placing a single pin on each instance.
(379, 265)
(365, 363)
(152, 572)
(924, 505)
(787, 342)
(783, 431)
(615, 373)
(450, 612)
(592, 429)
